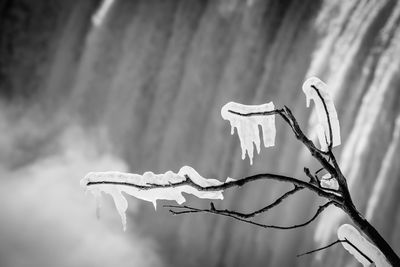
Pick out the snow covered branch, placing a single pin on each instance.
(365, 257)
(328, 129)
(145, 188)
(328, 182)
(352, 240)
(247, 127)
(170, 186)
(365, 252)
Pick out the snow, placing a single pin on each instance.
(247, 126)
(151, 195)
(323, 126)
(347, 231)
(327, 181)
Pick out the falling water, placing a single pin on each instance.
(138, 85)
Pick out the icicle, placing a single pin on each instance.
(247, 126)
(114, 183)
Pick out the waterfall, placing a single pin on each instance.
(138, 86)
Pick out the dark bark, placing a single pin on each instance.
(374, 236)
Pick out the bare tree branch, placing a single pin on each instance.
(315, 152)
(265, 209)
(334, 243)
(321, 248)
(190, 210)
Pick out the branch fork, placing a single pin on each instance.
(339, 197)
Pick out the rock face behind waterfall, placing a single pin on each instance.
(153, 75)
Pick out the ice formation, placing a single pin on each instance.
(348, 232)
(318, 91)
(327, 181)
(247, 126)
(122, 180)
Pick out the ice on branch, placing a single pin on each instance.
(318, 91)
(147, 187)
(351, 234)
(247, 126)
(329, 182)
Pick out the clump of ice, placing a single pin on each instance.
(348, 232)
(247, 126)
(327, 181)
(124, 180)
(318, 91)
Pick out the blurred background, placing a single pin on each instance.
(138, 85)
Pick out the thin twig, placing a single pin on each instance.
(313, 179)
(321, 248)
(189, 210)
(334, 243)
(265, 209)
